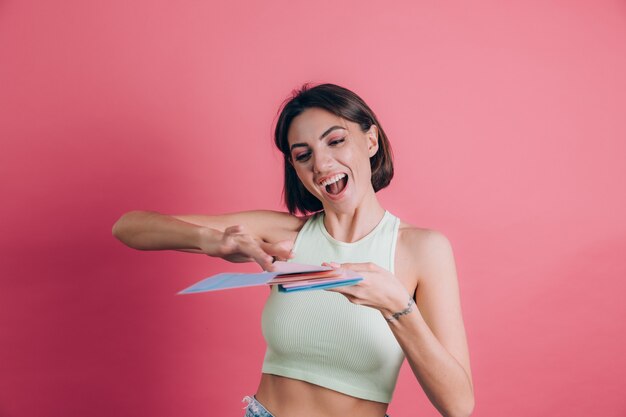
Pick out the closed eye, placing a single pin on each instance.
(336, 142)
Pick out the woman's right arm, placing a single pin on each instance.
(148, 230)
(234, 237)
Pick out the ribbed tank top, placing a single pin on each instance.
(319, 336)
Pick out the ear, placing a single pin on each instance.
(372, 140)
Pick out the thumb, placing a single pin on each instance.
(280, 250)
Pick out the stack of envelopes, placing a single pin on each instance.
(289, 277)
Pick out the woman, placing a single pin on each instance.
(337, 352)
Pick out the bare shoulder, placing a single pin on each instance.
(419, 239)
(269, 225)
(417, 250)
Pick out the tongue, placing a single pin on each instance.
(336, 187)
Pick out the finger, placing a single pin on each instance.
(261, 257)
(270, 268)
(265, 261)
(280, 250)
(341, 290)
(350, 297)
(359, 267)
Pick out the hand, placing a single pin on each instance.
(379, 289)
(235, 245)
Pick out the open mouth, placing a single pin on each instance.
(336, 184)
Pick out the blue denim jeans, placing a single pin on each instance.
(256, 409)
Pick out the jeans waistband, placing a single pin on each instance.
(255, 409)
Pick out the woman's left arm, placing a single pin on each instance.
(432, 335)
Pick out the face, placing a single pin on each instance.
(331, 157)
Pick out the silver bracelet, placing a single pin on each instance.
(407, 310)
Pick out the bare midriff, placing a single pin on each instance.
(287, 397)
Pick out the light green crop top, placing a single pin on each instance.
(321, 337)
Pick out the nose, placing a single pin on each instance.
(321, 161)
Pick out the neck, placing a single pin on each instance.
(352, 225)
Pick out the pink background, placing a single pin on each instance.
(508, 123)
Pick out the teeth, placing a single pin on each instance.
(332, 180)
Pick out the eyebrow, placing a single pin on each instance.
(326, 133)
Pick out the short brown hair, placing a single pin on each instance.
(343, 103)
